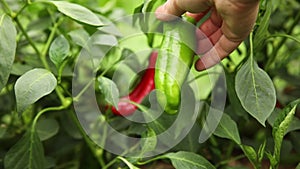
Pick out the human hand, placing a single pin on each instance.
(229, 24)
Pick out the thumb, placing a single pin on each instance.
(168, 11)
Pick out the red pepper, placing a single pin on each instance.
(278, 104)
(145, 86)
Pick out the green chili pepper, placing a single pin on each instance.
(173, 62)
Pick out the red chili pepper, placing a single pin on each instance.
(145, 86)
(278, 104)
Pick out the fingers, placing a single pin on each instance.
(179, 7)
(238, 17)
(237, 22)
(168, 9)
(212, 24)
(209, 33)
(204, 43)
(219, 51)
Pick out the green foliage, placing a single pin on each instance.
(250, 154)
(32, 86)
(255, 91)
(149, 141)
(27, 153)
(59, 50)
(7, 48)
(131, 166)
(262, 31)
(77, 12)
(298, 166)
(227, 128)
(280, 127)
(109, 90)
(47, 128)
(188, 160)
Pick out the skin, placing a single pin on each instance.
(230, 22)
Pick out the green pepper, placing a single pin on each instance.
(174, 61)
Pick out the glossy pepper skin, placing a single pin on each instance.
(173, 64)
(145, 86)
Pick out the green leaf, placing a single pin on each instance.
(227, 128)
(261, 151)
(47, 128)
(188, 160)
(280, 127)
(283, 116)
(110, 90)
(59, 50)
(278, 116)
(109, 27)
(77, 12)
(130, 59)
(160, 124)
(263, 25)
(148, 6)
(298, 166)
(149, 141)
(32, 86)
(255, 90)
(110, 59)
(250, 153)
(190, 142)
(50, 162)
(147, 22)
(8, 46)
(27, 153)
(232, 96)
(69, 127)
(273, 161)
(294, 125)
(19, 68)
(212, 120)
(103, 39)
(138, 11)
(79, 37)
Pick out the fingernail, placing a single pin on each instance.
(199, 65)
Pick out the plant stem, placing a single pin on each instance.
(110, 163)
(104, 136)
(150, 160)
(43, 111)
(281, 43)
(251, 47)
(21, 10)
(229, 149)
(48, 43)
(27, 36)
(213, 141)
(206, 73)
(65, 101)
(125, 152)
(229, 160)
(285, 36)
(7, 8)
(93, 147)
(76, 98)
(15, 17)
